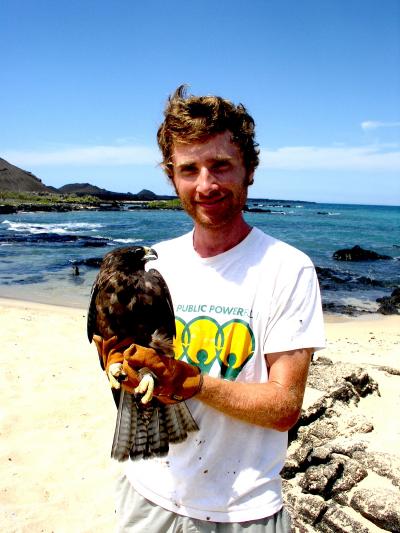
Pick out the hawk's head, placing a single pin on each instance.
(130, 257)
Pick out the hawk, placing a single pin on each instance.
(128, 302)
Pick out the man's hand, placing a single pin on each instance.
(175, 380)
(111, 355)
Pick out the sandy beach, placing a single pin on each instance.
(57, 414)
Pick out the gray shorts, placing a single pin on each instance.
(135, 514)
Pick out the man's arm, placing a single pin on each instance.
(275, 404)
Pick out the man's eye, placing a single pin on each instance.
(188, 169)
(221, 165)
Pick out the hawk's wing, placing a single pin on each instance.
(92, 313)
(169, 316)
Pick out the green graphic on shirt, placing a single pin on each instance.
(203, 340)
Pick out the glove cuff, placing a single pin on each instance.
(190, 387)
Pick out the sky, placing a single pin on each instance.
(83, 84)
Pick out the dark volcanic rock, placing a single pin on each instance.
(330, 278)
(38, 238)
(384, 464)
(387, 308)
(320, 479)
(339, 519)
(358, 254)
(335, 379)
(7, 209)
(306, 506)
(390, 305)
(344, 309)
(329, 456)
(380, 506)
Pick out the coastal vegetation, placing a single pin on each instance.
(15, 198)
(12, 201)
(164, 204)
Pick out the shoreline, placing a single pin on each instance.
(16, 301)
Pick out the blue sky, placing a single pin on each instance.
(84, 82)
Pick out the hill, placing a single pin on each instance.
(81, 189)
(15, 179)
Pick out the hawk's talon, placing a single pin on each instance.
(116, 375)
(145, 387)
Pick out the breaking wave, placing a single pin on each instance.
(58, 228)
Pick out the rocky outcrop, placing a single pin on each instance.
(344, 309)
(7, 209)
(390, 305)
(358, 254)
(85, 241)
(330, 459)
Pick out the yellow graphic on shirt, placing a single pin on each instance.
(203, 340)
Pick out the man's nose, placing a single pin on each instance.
(206, 181)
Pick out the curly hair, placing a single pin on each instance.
(190, 119)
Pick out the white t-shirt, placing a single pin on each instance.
(260, 297)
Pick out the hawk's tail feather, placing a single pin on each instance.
(139, 448)
(179, 422)
(125, 426)
(186, 417)
(158, 435)
(142, 432)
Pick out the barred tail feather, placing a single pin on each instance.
(186, 417)
(139, 449)
(179, 422)
(124, 427)
(157, 434)
(143, 432)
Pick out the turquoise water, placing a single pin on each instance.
(37, 250)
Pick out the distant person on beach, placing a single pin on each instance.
(248, 314)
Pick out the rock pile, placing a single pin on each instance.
(333, 479)
(390, 305)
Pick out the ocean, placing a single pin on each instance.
(39, 251)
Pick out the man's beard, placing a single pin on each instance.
(232, 205)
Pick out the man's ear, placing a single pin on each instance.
(250, 178)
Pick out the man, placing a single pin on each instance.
(248, 315)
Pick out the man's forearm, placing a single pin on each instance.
(275, 404)
(269, 405)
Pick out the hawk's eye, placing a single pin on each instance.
(139, 253)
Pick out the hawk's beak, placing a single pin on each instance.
(150, 254)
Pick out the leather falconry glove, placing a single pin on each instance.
(175, 381)
(111, 355)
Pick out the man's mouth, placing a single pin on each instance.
(210, 202)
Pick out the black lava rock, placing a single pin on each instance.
(358, 254)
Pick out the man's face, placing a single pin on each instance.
(210, 179)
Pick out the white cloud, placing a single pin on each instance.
(374, 124)
(86, 156)
(366, 158)
(385, 158)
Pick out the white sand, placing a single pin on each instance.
(57, 414)
(57, 420)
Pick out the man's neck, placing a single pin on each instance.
(208, 241)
